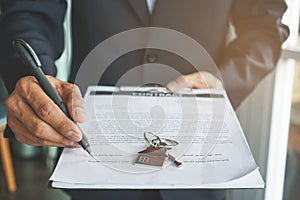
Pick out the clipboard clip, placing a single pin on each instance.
(147, 90)
(154, 91)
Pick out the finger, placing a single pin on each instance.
(198, 80)
(183, 81)
(24, 136)
(210, 80)
(72, 97)
(74, 101)
(21, 133)
(49, 113)
(36, 128)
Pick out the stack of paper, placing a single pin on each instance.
(212, 146)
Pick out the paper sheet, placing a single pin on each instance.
(212, 146)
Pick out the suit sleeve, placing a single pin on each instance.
(256, 49)
(38, 22)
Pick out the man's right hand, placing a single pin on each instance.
(36, 120)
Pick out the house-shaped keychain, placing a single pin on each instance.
(152, 157)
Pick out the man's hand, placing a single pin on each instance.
(36, 120)
(195, 80)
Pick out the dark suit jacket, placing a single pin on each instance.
(243, 62)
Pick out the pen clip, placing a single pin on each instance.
(28, 55)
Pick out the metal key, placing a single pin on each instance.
(173, 159)
(170, 157)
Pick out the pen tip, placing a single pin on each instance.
(92, 155)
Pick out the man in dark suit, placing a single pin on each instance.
(243, 62)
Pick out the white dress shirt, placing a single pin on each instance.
(150, 4)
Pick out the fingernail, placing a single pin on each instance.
(74, 144)
(172, 86)
(79, 113)
(74, 135)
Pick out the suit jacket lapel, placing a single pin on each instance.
(139, 7)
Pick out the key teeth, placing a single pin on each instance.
(173, 160)
(177, 163)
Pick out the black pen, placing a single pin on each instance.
(31, 60)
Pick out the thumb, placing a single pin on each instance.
(72, 97)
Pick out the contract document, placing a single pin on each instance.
(211, 144)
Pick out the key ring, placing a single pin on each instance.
(157, 142)
(170, 143)
(154, 142)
